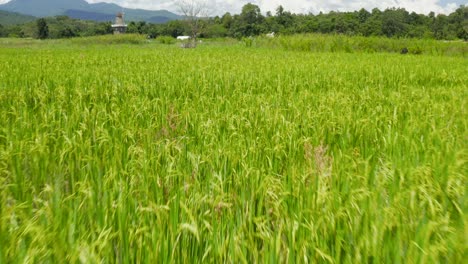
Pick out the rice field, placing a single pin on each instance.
(149, 153)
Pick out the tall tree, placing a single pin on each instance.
(248, 23)
(440, 27)
(459, 20)
(42, 28)
(2, 31)
(393, 22)
(363, 15)
(174, 28)
(284, 18)
(194, 11)
(226, 20)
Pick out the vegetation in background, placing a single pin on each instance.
(392, 23)
(156, 154)
(351, 44)
(60, 27)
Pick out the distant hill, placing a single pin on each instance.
(81, 9)
(85, 15)
(102, 17)
(158, 19)
(11, 18)
(43, 8)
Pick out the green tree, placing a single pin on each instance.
(325, 23)
(393, 22)
(441, 28)
(42, 28)
(15, 31)
(345, 23)
(284, 18)
(174, 28)
(363, 15)
(251, 14)
(102, 28)
(2, 31)
(132, 27)
(67, 32)
(155, 30)
(459, 22)
(306, 23)
(214, 31)
(226, 20)
(372, 25)
(249, 22)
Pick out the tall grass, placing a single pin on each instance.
(220, 154)
(348, 44)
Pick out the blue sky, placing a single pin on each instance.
(219, 7)
(459, 2)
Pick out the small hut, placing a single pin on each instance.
(119, 27)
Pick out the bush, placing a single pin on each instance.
(416, 50)
(168, 40)
(248, 42)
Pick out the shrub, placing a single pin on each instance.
(168, 40)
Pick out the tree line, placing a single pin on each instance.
(393, 22)
(55, 28)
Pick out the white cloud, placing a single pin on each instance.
(299, 6)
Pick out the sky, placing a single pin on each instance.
(219, 7)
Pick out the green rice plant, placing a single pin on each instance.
(248, 42)
(134, 39)
(156, 154)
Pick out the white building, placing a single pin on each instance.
(183, 37)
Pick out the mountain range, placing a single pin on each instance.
(81, 9)
(11, 18)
